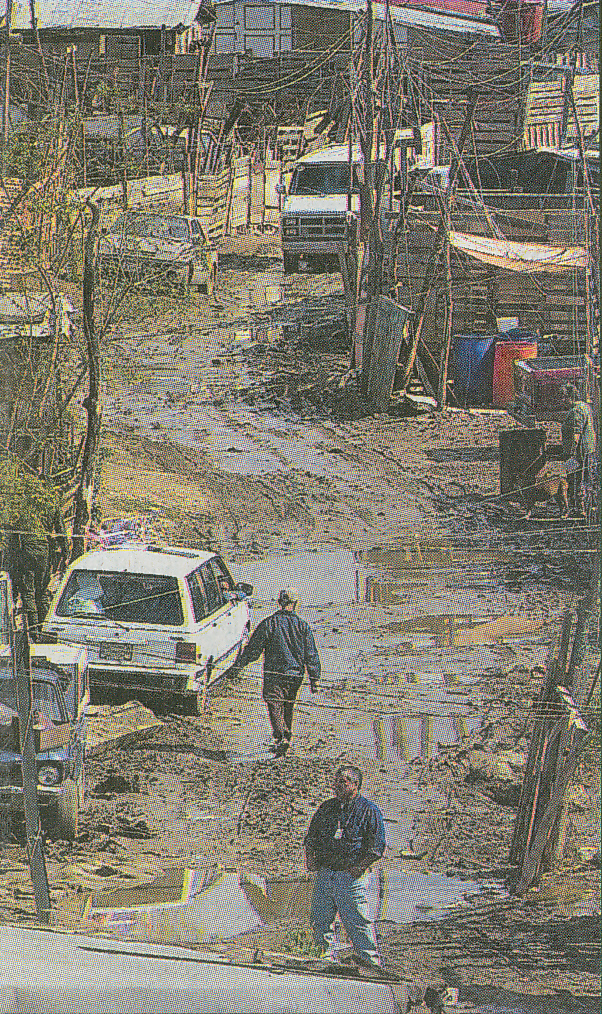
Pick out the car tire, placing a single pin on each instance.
(66, 812)
(192, 706)
(290, 262)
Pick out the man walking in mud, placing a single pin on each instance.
(288, 649)
(345, 838)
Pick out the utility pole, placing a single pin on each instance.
(6, 108)
(35, 852)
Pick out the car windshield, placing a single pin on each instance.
(123, 597)
(46, 704)
(323, 178)
(156, 226)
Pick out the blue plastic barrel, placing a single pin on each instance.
(473, 368)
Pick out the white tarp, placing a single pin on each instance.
(527, 257)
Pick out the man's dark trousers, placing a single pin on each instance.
(280, 693)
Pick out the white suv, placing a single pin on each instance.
(156, 621)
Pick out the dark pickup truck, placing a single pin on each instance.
(60, 695)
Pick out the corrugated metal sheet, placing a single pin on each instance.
(417, 17)
(110, 14)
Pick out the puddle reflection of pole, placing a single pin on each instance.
(426, 737)
(400, 738)
(378, 728)
(460, 726)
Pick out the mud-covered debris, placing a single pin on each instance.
(499, 775)
(104, 870)
(116, 783)
(128, 829)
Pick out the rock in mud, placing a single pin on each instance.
(499, 775)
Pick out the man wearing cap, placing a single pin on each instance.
(288, 649)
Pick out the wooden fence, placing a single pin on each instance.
(254, 201)
(557, 742)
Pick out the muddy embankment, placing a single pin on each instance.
(234, 423)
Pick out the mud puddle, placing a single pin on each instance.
(200, 905)
(411, 636)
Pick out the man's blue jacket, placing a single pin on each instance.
(288, 646)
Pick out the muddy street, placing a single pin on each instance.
(234, 422)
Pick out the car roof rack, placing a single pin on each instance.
(155, 547)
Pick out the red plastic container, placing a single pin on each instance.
(506, 354)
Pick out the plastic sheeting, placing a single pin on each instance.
(527, 257)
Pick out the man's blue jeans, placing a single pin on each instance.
(337, 891)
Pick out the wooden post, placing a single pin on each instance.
(124, 179)
(84, 155)
(162, 77)
(449, 310)
(433, 263)
(34, 26)
(74, 69)
(537, 749)
(35, 852)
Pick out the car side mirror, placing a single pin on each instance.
(244, 588)
(280, 188)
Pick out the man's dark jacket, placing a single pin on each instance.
(288, 646)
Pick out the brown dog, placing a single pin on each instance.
(542, 488)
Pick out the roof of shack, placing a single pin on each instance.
(106, 14)
(412, 16)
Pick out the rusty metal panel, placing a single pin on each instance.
(389, 328)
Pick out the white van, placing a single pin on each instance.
(317, 215)
(321, 209)
(159, 622)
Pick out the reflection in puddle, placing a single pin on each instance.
(193, 906)
(263, 290)
(450, 630)
(406, 556)
(402, 897)
(396, 738)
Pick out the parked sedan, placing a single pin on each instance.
(157, 622)
(153, 247)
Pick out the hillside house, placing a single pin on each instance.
(269, 27)
(103, 28)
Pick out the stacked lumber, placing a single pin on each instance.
(586, 90)
(544, 113)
